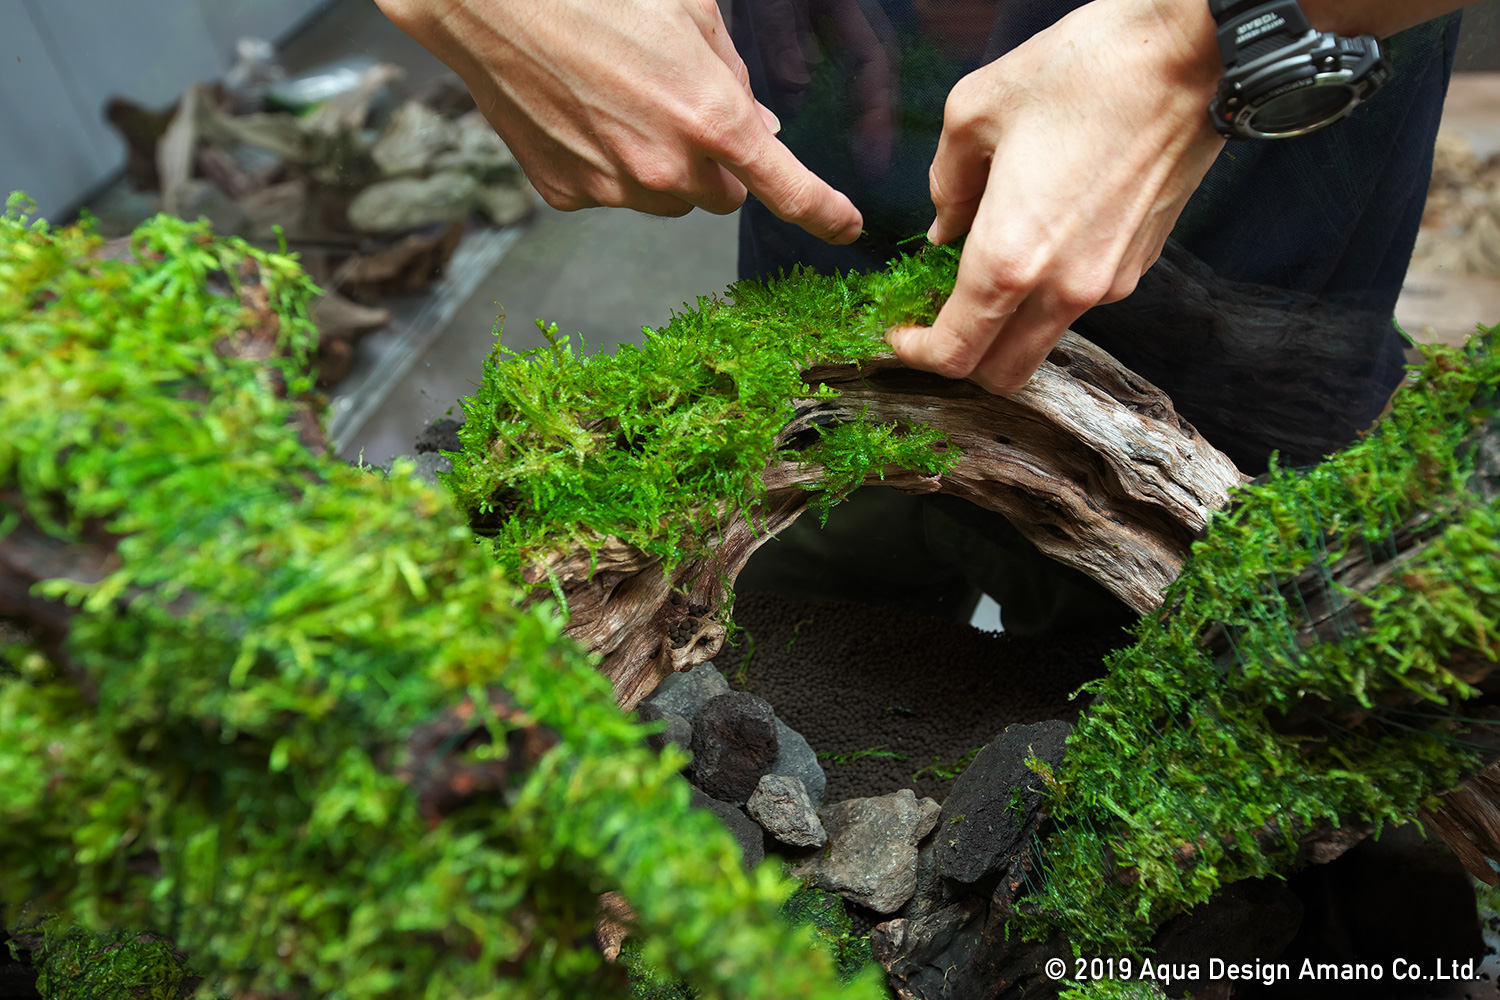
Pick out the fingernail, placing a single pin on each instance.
(775, 122)
(895, 336)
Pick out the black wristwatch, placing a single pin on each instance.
(1283, 77)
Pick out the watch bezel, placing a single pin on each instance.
(1313, 59)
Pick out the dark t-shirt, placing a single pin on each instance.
(1322, 224)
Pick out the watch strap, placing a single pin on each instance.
(1249, 29)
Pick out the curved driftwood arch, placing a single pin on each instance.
(1090, 461)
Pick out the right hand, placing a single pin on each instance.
(639, 104)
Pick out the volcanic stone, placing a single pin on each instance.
(678, 730)
(734, 743)
(993, 802)
(872, 854)
(796, 759)
(780, 805)
(751, 840)
(687, 692)
(440, 435)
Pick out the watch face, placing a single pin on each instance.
(1302, 110)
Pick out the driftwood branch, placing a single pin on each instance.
(1089, 461)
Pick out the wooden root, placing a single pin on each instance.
(1089, 461)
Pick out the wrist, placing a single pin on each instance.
(1193, 57)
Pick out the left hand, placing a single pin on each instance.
(1067, 161)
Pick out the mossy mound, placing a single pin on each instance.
(1232, 727)
(226, 760)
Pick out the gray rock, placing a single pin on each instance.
(507, 204)
(932, 892)
(678, 730)
(780, 805)
(751, 840)
(872, 854)
(796, 759)
(478, 150)
(413, 140)
(734, 743)
(430, 463)
(995, 801)
(412, 202)
(687, 692)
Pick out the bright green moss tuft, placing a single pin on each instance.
(565, 448)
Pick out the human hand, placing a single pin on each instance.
(1067, 162)
(640, 104)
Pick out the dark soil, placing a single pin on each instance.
(853, 677)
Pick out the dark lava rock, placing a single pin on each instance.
(962, 952)
(440, 435)
(993, 802)
(734, 743)
(688, 691)
(1243, 922)
(752, 841)
(780, 805)
(678, 730)
(872, 849)
(932, 892)
(797, 759)
(851, 676)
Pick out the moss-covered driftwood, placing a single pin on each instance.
(635, 486)
(1315, 673)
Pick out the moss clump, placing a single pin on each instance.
(1113, 989)
(1198, 766)
(218, 767)
(74, 964)
(650, 444)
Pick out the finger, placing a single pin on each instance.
(624, 193)
(1022, 346)
(781, 24)
(714, 189)
(792, 192)
(975, 314)
(769, 117)
(960, 170)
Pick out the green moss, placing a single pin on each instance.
(826, 914)
(1186, 755)
(74, 964)
(654, 442)
(274, 626)
(1114, 989)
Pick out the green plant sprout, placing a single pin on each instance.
(948, 771)
(854, 755)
